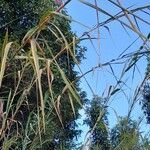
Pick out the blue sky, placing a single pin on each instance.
(111, 45)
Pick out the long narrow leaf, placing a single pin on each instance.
(38, 72)
(4, 60)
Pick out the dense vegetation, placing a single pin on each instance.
(40, 94)
(146, 93)
(20, 77)
(97, 113)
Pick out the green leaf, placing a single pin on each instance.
(114, 91)
(3, 61)
(4, 45)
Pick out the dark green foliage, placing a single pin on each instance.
(146, 101)
(146, 91)
(18, 17)
(125, 135)
(100, 135)
(146, 94)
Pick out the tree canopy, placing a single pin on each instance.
(40, 93)
(97, 115)
(61, 108)
(125, 134)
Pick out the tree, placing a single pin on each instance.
(60, 113)
(99, 137)
(20, 16)
(146, 101)
(125, 135)
(146, 92)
